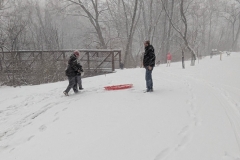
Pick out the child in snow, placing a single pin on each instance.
(169, 58)
(71, 72)
(79, 74)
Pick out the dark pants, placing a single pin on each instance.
(79, 81)
(72, 84)
(148, 77)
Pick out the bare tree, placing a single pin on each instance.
(93, 15)
(130, 32)
(126, 20)
(232, 15)
(183, 34)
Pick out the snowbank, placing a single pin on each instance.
(193, 114)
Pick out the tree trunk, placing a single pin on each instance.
(146, 36)
(100, 36)
(183, 64)
(169, 28)
(164, 39)
(93, 18)
(128, 52)
(234, 46)
(203, 35)
(209, 34)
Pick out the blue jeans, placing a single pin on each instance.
(148, 77)
(79, 81)
(72, 84)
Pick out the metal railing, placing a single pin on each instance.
(37, 67)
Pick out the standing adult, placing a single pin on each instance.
(71, 72)
(149, 63)
(169, 58)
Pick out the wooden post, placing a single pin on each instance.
(97, 62)
(120, 57)
(183, 64)
(1, 59)
(17, 64)
(41, 57)
(1, 68)
(19, 56)
(88, 61)
(64, 58)
(113, 66)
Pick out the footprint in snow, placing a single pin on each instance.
(191, 113)
(42, 128)
(227, 156)
(11, 150)
(100, 91)
(184, 131)
(193, 97)
(30, 138)
(185, 140)
(197, 121)
(3, 147)
(12, 106)
(163, 154)
(55, 119)
(188, 102)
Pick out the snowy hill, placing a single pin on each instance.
(193, 114)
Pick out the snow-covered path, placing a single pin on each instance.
(193, 114)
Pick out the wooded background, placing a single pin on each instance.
(192, 27)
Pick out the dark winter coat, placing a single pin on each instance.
(72, 67)
(149, 56)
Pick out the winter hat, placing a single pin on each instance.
(77, 53)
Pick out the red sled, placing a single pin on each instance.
(118, 87)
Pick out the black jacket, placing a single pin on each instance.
(72, 67)
(149, 56)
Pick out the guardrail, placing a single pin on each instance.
(36, 67)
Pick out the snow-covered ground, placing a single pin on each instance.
(193, 114)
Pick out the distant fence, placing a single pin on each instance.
(37, 67)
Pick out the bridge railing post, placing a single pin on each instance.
(88, 61)
(1, 61)
(120, 57)
(113, 63)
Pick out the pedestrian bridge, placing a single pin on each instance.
(38, 67)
